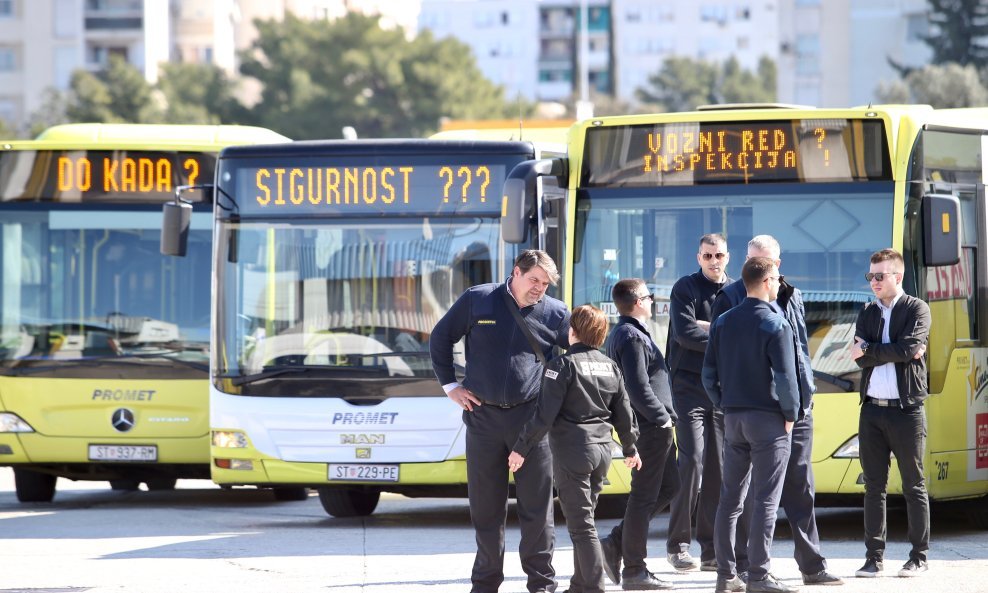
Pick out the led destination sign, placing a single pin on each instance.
(427, 185)
(697, 153)
(80, 175)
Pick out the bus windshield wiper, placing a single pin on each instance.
(272, 372)
(20, 368)
(834, 380)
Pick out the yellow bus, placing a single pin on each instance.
(104, 342)
(334, 261)
(833, 186)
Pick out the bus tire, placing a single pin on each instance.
(342, 502)
(125, 485)
(161, 483)
(290, 494)
(34, 486)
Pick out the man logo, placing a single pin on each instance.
(122, 420)
(361, 439)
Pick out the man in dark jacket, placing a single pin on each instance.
(798, 493)
(498, 394)
(750, 373)
(889, 343)
(647, 381)
(700, 427)
(583, 399)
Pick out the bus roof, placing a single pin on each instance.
(375, 147)
(146, 136)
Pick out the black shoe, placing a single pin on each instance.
(769, 585)
(871, 569)
(643, 581)
(731, 585)
(612, 559)
(822, 578)
(682, 561)
(913, 568)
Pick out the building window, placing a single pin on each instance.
(808, 54)
(6, 9)
(807, 2)
(8, 59)
(917, 27)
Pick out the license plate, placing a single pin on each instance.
(123, 453)
(363, 472)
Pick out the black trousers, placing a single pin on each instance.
(883, 431)
(797, 501)
(490, 434)
(756, 453)
(700, 440)
(579, 475)
(655, 446)
(667, 491)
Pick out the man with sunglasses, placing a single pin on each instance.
(646, 379)
(700, 427)
(798, 492)
(889, 344)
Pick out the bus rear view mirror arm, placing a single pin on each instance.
(519, 195)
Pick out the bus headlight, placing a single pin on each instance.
(849, 450)
(10, 422)
(229, 439)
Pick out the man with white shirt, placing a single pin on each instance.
(889, 343)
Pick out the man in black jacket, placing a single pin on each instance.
(889, 343)
(583, 399)
(749, 372)
(498, 394)
(647, 382)
(700, 427)
(797, 491)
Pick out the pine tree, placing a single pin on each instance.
(959, 32)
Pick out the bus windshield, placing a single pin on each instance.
(88, 285)
(352, 300)
(827, 233)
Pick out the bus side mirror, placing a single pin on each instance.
(176, 217)
(519, 195)
(941, 230)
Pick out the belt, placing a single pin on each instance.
(885, 403)
(506, 406)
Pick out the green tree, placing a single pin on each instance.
(319, 76)
(682, 84)
(199, 94)
(942, 86)
(52, 112)
(960, 31)
(117, 94)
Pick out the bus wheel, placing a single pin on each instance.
(161, 483)
(348, 502)
(290, 494)
(125, 485)
(34, 486)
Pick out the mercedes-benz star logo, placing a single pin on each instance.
(122, 419)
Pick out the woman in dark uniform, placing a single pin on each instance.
(583, 399)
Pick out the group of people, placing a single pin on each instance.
(720, 429)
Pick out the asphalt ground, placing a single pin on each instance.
(200, 538)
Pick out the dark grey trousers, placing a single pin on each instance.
(579, 475)
(881, 432)
(756, 453)
(655, 445)
(491, 433)
(700, 441)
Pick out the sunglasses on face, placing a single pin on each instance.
(647, 296)
(880, 276)
(710, 256)
(780, 278)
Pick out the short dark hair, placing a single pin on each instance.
(530, 258)
(714, 239)
(888, 255)
(755, 270)
(625, 294)
(589, 324)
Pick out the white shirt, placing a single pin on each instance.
(883, 384)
